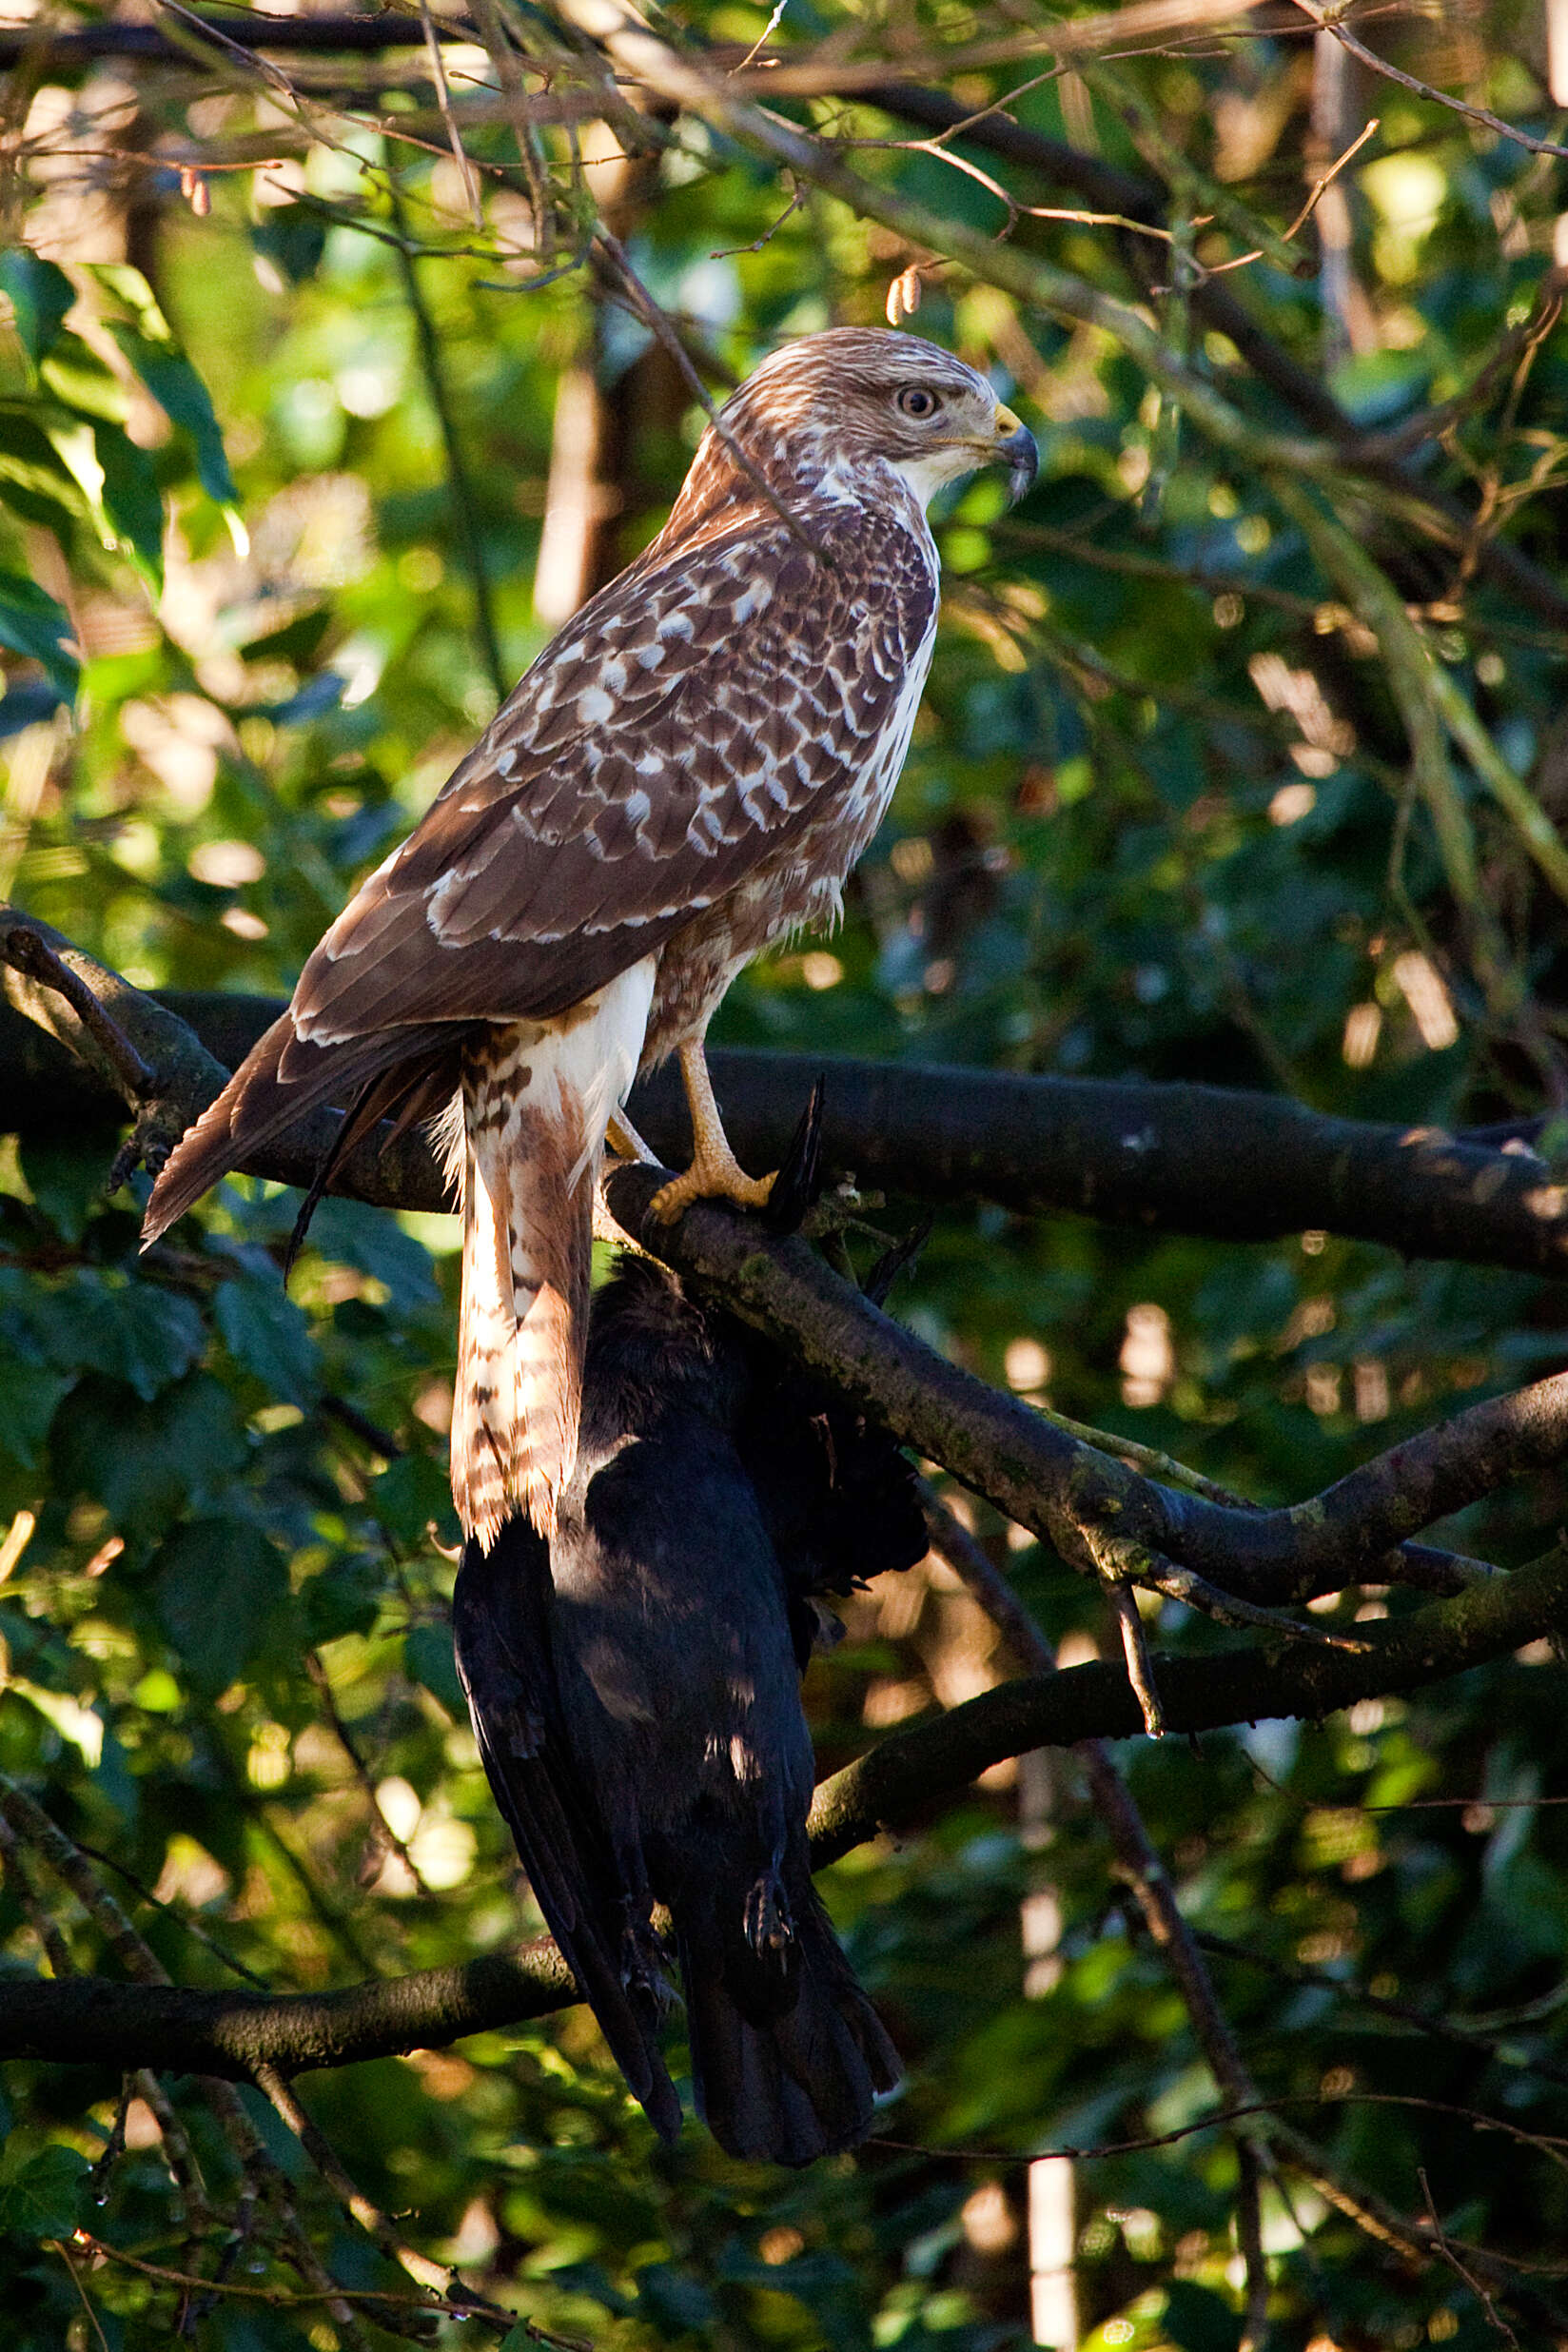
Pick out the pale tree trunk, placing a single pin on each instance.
(1053, 2191)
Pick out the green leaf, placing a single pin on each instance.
(428, 1660)
(28, 1405)
(66, 1181)
(153, 349)
(180, 392)
(673, 2299)
(350, 1233)
(130, 497)
(411, 1494)
(33, 623)
(219, 1585)
(40, 297)
(1199, 2320)
(269, 1335)
(342, 1598)
(293, 238)
(141, 1335)
(145, 1462)
(39, 2199)
(34, 481)
(75, 374)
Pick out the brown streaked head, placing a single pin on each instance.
(853, 403)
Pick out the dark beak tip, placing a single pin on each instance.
(1020, 453)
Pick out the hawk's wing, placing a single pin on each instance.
(693, 715)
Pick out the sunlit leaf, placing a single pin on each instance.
(40, 296)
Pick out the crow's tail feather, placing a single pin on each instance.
(788, 2055)
(500, 1629)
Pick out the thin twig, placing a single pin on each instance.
(1140, 1666)
(1319, 188)
(436, 2278)
(1443, 2247)
(443, 100)
(378, 2299)
(1249, 2240)
(1331, 20)
(362, 1775)
(1196, 1592)
(658, 321)
(464, 511)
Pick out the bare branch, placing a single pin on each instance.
(1331, 20)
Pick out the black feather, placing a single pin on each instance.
(636, 1698)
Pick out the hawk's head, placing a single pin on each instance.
(855, 400)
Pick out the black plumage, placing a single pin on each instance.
(635, 1691)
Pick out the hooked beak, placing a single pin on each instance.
(1017, 449)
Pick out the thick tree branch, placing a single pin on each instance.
(911, 1770)
(1173, 1158)
(97, 2022)
(1102, 1517)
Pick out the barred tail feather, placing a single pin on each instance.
(527, 1244)
(536, 1100)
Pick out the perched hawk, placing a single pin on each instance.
(689, 770)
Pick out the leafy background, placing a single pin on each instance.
(1156, 823)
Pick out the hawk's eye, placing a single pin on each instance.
(914, 401)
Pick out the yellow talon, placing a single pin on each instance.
(714, 1174)
(712, 1177)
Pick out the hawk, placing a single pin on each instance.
(689, 770)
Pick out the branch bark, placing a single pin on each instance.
(1172, 1158)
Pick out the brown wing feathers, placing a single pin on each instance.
(264, 1100)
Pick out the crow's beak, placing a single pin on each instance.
(1017, 449)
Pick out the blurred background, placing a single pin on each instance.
(324, 401)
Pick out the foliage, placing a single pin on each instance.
(1161, 819)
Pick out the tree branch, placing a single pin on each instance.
(95, 2020)
(1102, 1517)
(1173, 1158)
(911, 1770)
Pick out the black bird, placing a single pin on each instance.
(634, 1693)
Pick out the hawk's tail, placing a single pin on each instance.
(536, 1100)
(527, 1249)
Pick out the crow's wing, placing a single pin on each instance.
(501, 1631)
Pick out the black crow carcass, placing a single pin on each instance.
(635, 1691)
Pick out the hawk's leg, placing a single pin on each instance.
(714, 1174)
